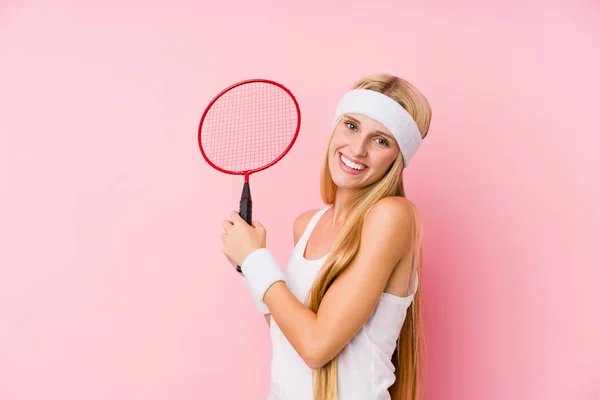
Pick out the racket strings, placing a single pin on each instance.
(249, 126)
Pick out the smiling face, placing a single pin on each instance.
(361, 151)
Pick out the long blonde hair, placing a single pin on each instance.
(407, 356)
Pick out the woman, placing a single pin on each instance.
(344, 318)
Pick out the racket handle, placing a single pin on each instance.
(246, 204)
(245, 208)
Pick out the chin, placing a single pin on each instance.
(344, 184)
(342, 180)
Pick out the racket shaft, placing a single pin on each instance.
(246, 208)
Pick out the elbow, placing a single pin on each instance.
(315, 355)
(314, 362)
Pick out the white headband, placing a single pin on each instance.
(387, 112)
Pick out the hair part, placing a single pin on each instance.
(407, 355)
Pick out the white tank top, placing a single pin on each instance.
(365, 369)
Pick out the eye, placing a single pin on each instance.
(382, 142)
(350, 125)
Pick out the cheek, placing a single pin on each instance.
(339, 135)
(385, 161)
(336, 143)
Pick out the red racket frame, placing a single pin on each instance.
(252, 171)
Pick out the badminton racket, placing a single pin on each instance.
(247, 128)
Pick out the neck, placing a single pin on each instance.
(340, 207)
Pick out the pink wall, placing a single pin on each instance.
(112, 284)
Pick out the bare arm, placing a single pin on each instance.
(318, 337)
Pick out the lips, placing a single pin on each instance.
(353, 163)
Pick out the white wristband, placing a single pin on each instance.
(260, 305)
(261, 270)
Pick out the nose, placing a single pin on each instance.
(358, 147)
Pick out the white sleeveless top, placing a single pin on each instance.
(365, 369)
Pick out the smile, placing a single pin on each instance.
(351, 166)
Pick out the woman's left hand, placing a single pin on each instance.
(241, 239)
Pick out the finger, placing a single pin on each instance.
(236, 217)
(226, 225)
(257, 225)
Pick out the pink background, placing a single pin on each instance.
(112, 281)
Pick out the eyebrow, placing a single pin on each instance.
(357, 122)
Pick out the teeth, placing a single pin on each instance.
(351, 164)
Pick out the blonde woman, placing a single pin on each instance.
(344, 317)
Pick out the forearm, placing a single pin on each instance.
(298, 323)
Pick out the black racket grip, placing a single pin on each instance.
(245, 208)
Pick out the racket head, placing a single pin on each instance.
(249, 126)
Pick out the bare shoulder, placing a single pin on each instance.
(396, 208)
(301, 222)
(390, 222)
